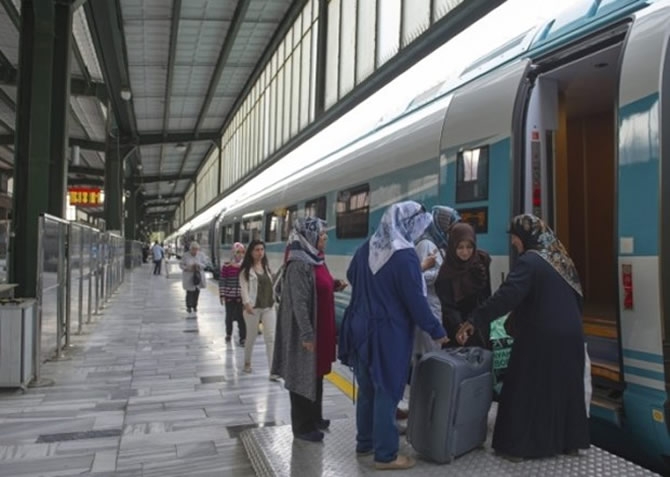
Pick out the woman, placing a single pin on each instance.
(230, 293)
(305, 342)
(463, 283)
(193, 265)
(430, 248)
(541, 412)
(387, 302)
(257, 301)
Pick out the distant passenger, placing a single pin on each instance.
(193, 277)
(157, 252)
(377, 333)
(464, 282)
(542, 412)
(306, 332)
(258, 301)
(231, 295)
(431, 248)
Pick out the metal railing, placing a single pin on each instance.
(79, 269)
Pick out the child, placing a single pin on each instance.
(230, 294)
(463, 282)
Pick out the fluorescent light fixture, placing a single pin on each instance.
(253, 214)
(181, 147)
(126, 94)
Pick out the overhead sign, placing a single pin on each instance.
(85, 196)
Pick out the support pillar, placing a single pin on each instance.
(60, 104)
(115, 153)
(33, 141)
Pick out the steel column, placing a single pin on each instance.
(114, 183)
(59, 108)
(321, 56)
(33, 141)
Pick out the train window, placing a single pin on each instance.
(316, 208)
(289, 216)
(228, 234)
(251, 229)
(472, 175)
(353, 208)
(271, 228)
(236, 233)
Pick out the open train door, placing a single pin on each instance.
(478, 174)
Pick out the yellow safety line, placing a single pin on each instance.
(341, 383)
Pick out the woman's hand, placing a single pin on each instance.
(308, 345)
(464, 333)
(428, 262)
(248, 308)
(340, 285)
(442, 341)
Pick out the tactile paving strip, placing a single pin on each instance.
(273, 452)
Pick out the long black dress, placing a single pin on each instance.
(541, 410)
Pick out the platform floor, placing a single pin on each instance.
(146, 392)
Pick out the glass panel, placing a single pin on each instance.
(333, 53)
(272, 116)
(365, 47)
(312, 76)
(286, 123)
(388, 30)
(280, 108)
(416, 19)
(305, 86)
(296, 96)
(348, 47)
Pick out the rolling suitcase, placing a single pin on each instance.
(450, 397)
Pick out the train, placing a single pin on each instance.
(569, 120)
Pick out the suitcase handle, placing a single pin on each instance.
(431, 407)
(472, 355)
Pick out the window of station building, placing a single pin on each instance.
(353, 209)
(472, 175)
(251, 229)
(316, 208)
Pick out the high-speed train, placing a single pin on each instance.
(569, 121)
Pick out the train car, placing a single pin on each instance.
(568, 121)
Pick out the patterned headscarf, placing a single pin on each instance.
(303, 240)
(438, 231)
(537, 237)
(401, 225)
(235, 257)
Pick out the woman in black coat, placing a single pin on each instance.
(541, 412)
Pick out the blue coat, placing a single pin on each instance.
(378, 327)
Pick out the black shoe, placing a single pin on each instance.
(314, 436)
(227, 339)
(323, 424)
(242, 342)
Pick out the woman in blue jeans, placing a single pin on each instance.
(388, 300)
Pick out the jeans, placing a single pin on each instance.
(157, 267)
(375, 416)
(234, 313)
(192, 300)
(268, 317)
(305, 414)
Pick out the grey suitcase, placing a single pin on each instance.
(450, 396)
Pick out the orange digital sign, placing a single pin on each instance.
(85, 196)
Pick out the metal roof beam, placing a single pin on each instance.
(176, 138)
(163, 178)
(90, 171)
(78, 87)
(89, 145)
(88, 181)
(12, 12)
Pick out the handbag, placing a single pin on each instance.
(196, 277)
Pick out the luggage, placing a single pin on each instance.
(450, 397)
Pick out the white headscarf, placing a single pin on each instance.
(401, 225)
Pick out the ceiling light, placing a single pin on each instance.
(171, 183)
(181, 147)
(126, 94)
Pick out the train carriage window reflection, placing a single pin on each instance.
(289, 216)
(316, 208)
(271, 228)
(237, 232)
(229, 234)
(472, 175)
(251, 229)
(353, 209)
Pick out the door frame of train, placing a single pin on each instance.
(664, 246)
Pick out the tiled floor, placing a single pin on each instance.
(146, 392)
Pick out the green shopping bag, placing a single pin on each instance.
(501, 345)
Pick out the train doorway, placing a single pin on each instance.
(571, 182)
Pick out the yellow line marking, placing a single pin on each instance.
(341, 383)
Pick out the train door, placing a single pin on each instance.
(570, 175)
(475, 159)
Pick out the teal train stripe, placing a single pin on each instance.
(645, 373)
(659, 396)
(642, 356)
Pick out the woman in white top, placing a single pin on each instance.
(258, 301)
(193, 262)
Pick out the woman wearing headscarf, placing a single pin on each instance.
(230, 293)
(541, 411)
(193, 266)
(305, 333)
(430, 248)
(463, 283)
(377, 334)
